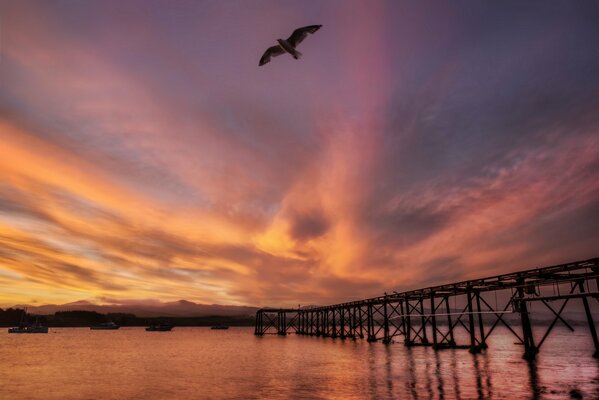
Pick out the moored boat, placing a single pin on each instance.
(220, 327)
(107, 326)
(36, 327)
(162, 327)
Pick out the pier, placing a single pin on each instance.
(433, 315)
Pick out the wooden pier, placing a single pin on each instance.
(431, 316)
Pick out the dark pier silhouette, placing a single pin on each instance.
(431, 316)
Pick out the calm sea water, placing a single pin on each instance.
(199, 363)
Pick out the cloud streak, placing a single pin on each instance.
(154, 160)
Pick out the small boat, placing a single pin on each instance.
(107, 326)
(220, 327)
(162, 327)
(29, 329)
(36, 327)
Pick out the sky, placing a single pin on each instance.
(144, 155)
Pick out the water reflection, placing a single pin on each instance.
(439, 376)
(454, 374)
(432, 374)
(596, 390)
(533, 376)
(487, 372)
(428, 376)
(372, 372)
(200, 364)
(483, 379)
(411, 383)
(389, 370)
(447, 372)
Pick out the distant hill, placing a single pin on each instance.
(181, 308)
(188, 309)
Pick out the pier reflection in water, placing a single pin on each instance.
(459, 374)
(198, 363)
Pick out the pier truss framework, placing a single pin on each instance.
(432, 317)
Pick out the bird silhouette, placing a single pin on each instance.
(289, 45)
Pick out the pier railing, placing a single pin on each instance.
(433, 315)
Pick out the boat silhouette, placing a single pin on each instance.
(107, 326)
(162, 327)
(36, 327)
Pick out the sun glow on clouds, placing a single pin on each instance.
(144, 162)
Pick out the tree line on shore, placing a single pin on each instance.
(17, 316)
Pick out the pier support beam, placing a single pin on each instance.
(353, 323)
(370, 320)
(423, 322)
(258, 331)
(434, 320)
(386, 338)
(530, 350)
(408, 321)
(304, 322)
(342, 322)
(483, 342)
(449, 322)
(473, 347)
(403, 318)
(361, 316)
(319, 323)
(282, 324)
(334, 326)
(587, 311)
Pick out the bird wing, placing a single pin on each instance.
(300, 34)
(271, 52)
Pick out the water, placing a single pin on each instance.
(199, 363)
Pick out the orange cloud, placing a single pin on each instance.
(146, 162)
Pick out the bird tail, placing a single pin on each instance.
(297, 55)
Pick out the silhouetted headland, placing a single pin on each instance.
(13, 316)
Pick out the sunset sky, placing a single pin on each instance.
(144, 155)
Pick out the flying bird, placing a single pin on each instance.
(289, 45)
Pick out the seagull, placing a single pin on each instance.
(289, 45)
